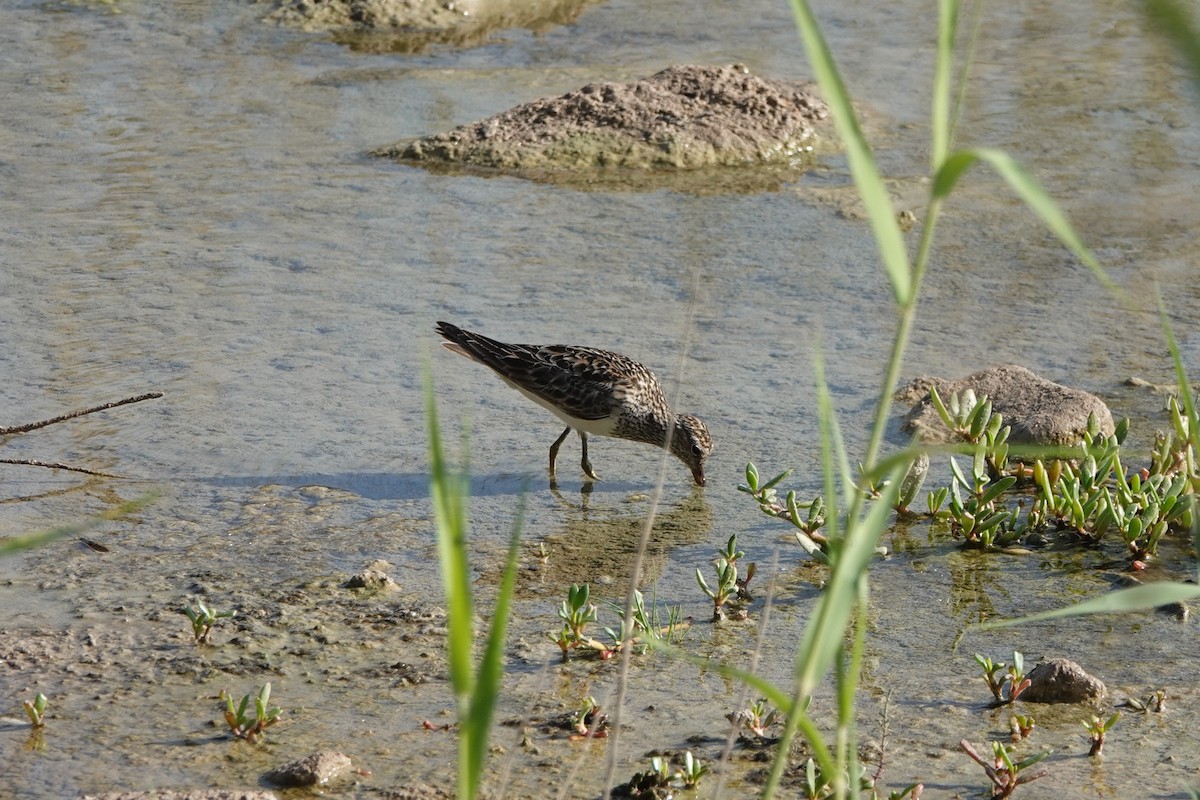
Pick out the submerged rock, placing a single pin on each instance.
(1062, 681)
(410, 26)
(683, 118)
(1039, 411)
(313, 770)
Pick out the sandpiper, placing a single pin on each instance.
(594, 391)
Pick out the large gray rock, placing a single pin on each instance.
(682, 118)
(1039, 411)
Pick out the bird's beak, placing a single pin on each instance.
(698, 475)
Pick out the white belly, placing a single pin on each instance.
(592, 427)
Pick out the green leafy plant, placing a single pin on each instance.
(1004, 773)
(577, 612)
(993, 673)
(914, 479)
(203, 618)
(241, 724)
(649, 783)
(729, 588)
(1097, 728)
(937, 499)
(973, 421)
(476, 688)
(692, 770)
(36, 710)
(1087, 491)
(977, 512)
(1155, 701)
(818, 786)
(999, 675)
(807, 524)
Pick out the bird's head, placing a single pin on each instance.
(691, 444)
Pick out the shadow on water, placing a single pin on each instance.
(415, 486)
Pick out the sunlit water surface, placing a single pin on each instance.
(188, 207)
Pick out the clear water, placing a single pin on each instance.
(189, 208)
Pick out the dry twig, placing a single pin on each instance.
(33, 426)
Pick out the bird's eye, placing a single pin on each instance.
(696, 450)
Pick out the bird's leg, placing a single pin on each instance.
(587, 465)
(554, 450)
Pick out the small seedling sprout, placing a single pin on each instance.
(1004, 773)
(241, 725)
(1097, 728)
(203, 618)
(36, 710)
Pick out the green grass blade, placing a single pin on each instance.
(874, 193)
(448, 502)
(449, 506)
(762, 686)
(1137, 598)
(1186, 398)
(941, 126)
(1172, 19)
(16, 544)
(491, 668)
(834, 460)
(855, 547)
(849, 668)
(823, 635)
(968, 59)
(1026, 188)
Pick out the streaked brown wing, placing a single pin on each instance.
(582, 381)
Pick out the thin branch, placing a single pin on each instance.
(32, 426)
(32, 462)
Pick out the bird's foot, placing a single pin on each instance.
(587, 470)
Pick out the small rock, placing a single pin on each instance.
(1062, 681)
(312, 770)
(372, 576)
(1039, 411)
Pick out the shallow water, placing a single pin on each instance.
(189, 208)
